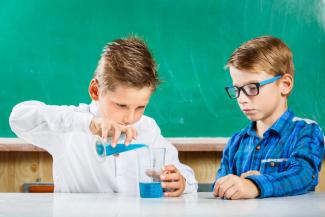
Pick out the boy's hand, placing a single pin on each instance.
(172, 181)
(234, 187)
(109, 128)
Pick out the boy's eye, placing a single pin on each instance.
(251, 89)
(121, 105)
(140, 108)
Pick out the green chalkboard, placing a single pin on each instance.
(49, 50)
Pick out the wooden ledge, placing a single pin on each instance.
(188, 144)
(16, 144)
(199, 144)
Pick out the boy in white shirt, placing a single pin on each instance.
(124, 80)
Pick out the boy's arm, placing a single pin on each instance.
(302, 174)
(227, 156)
(44, 125)
(224, 165)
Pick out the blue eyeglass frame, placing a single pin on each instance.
(258, 85)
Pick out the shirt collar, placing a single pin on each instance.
(278, 127)
(283, 122)
(251, 129)
(93, 108)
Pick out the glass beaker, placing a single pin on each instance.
(150, 164)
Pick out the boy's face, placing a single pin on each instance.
(125, 105)
(271, 101)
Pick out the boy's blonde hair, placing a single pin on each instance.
(264, 53)
(126, 62)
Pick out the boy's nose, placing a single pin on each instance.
(128, 118)
(242, 99)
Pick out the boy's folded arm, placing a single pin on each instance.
(40, 124)
(294, 181)
(224, 168)
(302, 174)
(224, 165)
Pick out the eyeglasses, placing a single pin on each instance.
(251, 89)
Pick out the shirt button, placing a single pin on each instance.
(258, 147)
(272, 164)
(313, 176)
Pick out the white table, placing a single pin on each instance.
(200, 204)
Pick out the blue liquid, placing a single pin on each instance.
(150, 189)
(100, 149)
(109, 150)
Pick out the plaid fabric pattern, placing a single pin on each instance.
(289, 156)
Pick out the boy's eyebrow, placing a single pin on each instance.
(123, 104)
(249, 82)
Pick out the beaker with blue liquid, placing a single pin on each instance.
(150, 163)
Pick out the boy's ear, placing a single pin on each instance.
(286, 84)
(94, 89)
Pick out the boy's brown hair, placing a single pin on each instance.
(264, 53)
(126, 62)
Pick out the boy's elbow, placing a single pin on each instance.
(16, 119)
(20, 117)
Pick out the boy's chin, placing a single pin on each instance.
(252, 117)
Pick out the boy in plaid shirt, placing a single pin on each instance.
(278, 154)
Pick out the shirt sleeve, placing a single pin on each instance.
(44, 125)
(172, 158)
(302, 173)
(227, 156)
(224, 165)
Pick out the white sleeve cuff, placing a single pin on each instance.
(191, 186)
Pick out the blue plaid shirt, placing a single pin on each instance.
(289, 156)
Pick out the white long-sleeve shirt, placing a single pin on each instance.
(64, 132)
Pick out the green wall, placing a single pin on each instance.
(49, 50)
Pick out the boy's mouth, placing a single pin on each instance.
(248, 111)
